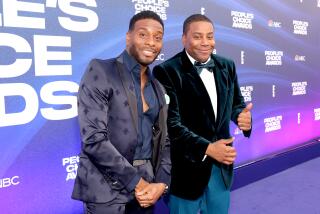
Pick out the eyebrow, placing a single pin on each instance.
(200, 33)
(144, 28)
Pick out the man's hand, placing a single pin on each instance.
(244, 118)
(221, 152)
(150, 194)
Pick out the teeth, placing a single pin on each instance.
(148, 52)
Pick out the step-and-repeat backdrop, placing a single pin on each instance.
(45, 46)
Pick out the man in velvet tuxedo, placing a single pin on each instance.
(125, 159)
(204, 98)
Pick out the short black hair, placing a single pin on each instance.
(146, 14)
(194, 18)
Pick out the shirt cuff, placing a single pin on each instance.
(204, 157)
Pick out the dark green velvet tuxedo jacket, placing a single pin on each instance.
(191, 123)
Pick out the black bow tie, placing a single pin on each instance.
(199, 66)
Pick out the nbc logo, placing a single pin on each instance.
(160, 57)
(274, 24)
(6, 182)
(299, 58)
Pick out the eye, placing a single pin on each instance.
(158, 38)
(142, 35)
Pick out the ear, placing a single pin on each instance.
(183, 39)
(128, 38)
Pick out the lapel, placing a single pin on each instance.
(159, 131)
(127, 84)
(160, 96)
(222, 87)
(159, 92)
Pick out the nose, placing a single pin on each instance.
(204, 41)
(150, 41)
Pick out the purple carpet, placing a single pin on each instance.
(293, 191)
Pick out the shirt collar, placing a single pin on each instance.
(134, 67)
(130, 61)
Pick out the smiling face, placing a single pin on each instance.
(144, 41)
(199, 41)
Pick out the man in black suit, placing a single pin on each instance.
(204, 97)
(125, 159)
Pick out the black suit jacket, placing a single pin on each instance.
(191, 124)
(108, 118)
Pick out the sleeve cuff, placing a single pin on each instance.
(162, 177)
(133, 183)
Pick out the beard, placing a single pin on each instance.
(144, 61)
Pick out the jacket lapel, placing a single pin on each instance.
(129, 89)
(222, 87)
(159, 92)
(159, 129)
